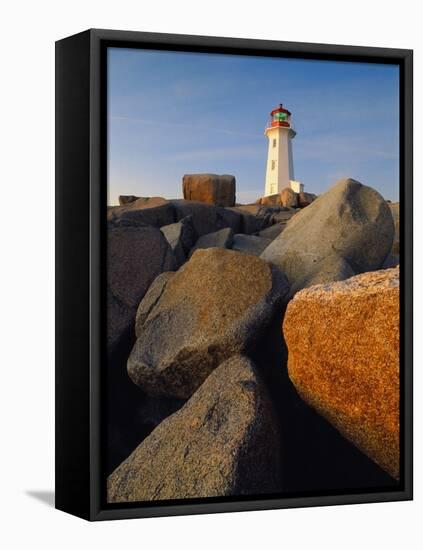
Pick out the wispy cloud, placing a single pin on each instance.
(339, 147)
(201, 87)
(214, 153)
(192, 126)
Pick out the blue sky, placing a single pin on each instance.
(171, 113)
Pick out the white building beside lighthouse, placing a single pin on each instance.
(280, 165)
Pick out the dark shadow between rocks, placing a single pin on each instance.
(130, 414)
(316, 457)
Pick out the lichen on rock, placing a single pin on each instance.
(343, 358)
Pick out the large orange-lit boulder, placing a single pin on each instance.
(343, 359)
(210, 188)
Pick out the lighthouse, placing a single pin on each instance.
(280, 165)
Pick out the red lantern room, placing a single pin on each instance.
(280, 117)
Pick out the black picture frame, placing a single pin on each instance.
(81, 169)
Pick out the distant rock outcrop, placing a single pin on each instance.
(347, 230)
(282, 216)
(271, 200)
(210, 188)
(252, 220)
(207, 218)
(219, 239)
(273, 231)
(181, 236)
(215, 306)
(343, 358)
(250, 244)
(155, 211)
(305, 199)
(289, 198)
(257, 217)
(127, 199)
(252, 209)
(223, 442)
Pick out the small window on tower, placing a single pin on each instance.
(279, 117)
(273, 164)
(274, 142)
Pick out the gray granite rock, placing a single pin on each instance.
(217, 304)
(250, 244)
(350, 221)
(224, 442)
(272, 231)
(135, 256)
(155, 211)
(207, 218)
(219, 239)
(181, 236)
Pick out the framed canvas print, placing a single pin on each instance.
(234, 274)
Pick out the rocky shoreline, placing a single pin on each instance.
(252, 348)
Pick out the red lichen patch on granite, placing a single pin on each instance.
(343, 358)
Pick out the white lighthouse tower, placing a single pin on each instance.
(280, 166)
